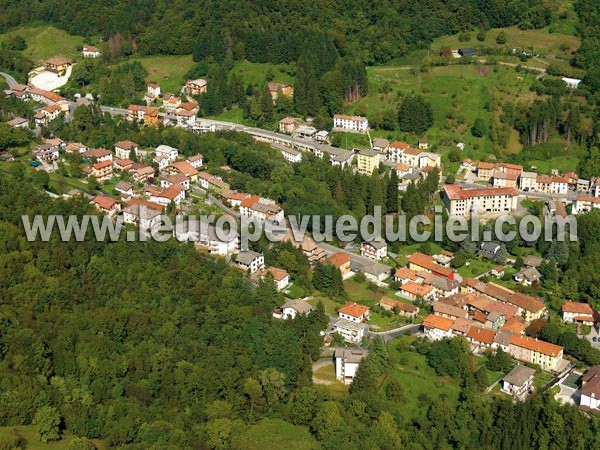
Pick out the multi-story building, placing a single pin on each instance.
(354, 124)
(464, 202)
(195, 87)
(123, 149)
(575, 312)
(375, 249)
(535, 351)
(261, 209)
(367, 161)
(347, 361)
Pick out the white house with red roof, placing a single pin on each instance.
(89, 51)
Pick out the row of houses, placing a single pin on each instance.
(523, 348)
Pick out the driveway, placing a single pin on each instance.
(593, 334)
(49, 81)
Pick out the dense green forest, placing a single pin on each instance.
(154, 346)
(261, 31)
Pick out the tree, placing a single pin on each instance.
(327, 420)
(415, 115)
(47, 421)
(479, 128)
(253, 392)
(81, 444)
(501, 255)
(392, 193)
(459, 260)
(501, 38)
(41, 179)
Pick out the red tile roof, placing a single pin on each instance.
(438, 322)
(354, 309)
(577, 308)
(428, 263)
(536, 345)
(482, 335)
(104, 202)
(339, 259)
(456, 192)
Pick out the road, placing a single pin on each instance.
(391, 334)
(9, 79)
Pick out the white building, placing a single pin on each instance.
(437, 327)
(89, 51)
(352, 332)
(527, 181)
(292, 308)
(167, 151)
(518, 382)
(354, 124)
(584, 204)
(261, 209)
(123, 149)
(590, 388)
(376, 249)
(347, 361)
(576, 312)
(249, 260)
(354, 312)
(572, 83)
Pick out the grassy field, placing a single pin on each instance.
(167, 70)
(543, 42)
(32, 441)
(255, 73)
(476, 267)
(422, 385)
(45, 41)
(275, 434)
(460, 90)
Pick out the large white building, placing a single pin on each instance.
(346, 363)
(464, 202)
(356, 124)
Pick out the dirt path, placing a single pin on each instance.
(319, 365)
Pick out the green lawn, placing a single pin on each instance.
(476, 267)
(32, 442)
(421, 383)
(45, 41)
(255, 73)
(275, 434)
(545, 43)
(167, 70)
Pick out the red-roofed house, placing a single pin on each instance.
(437, 327)
(464, 202)
(577, 312)
(421, 262)
(535, 351)
(341, 260)
(354, 312)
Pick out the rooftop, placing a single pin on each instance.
(354, 310)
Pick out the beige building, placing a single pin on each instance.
(367, 161)
(464, 202)
(535, 351)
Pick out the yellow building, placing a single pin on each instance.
(58, 64)
(535, 351)
(367, 161)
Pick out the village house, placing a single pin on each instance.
(287, 125)
(101, 171)
(195, 87)
(261, 209)
(140, 173)
(174, 194)
(186, 168)
(443, 287)
(146, 114)
(46, 152)
(233, 198)
(152, 92)
(584, 205)
(404, 275)
(519, 382)
(280, 277)
(169, 152)
(347, 361)
(123, 149)
(375, 249)
(485, 170)
(18, 122)
(355, 124)
(58, 64)
(46, 97)
(575, 312)
(292, 308)
(250, 261)
(449, 311)
(196, 160)
(376, 272)
(75, 147)
(421, 262)
(286, 90)
(98, 155)
(437, 327)
(590, 389)
(481, 338)
(464, 202)
(399, 307)
(167, 181)
(423, 144)
(312, 251)
(396, 149)
(47, 114)
(528, 181)
(162, 161)
(341, 260)
(146, 215)
(505, 179)
(414, 291)
(535, 351)
(351, 332)
(125, 189)
(170, 102)
(89, 51)
(367, 161)
(354, 312)
(381, 146)
(122, 165)
(208, 181)
(106, 205)
(527, 276)
(489, 249)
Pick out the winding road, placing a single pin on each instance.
(9, 79)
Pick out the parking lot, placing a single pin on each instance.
(593, 337)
